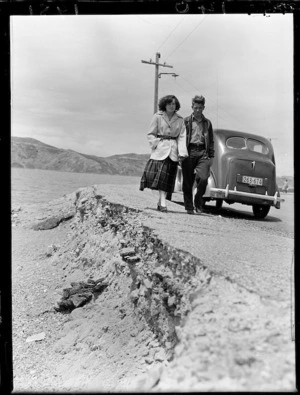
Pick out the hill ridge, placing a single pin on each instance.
(31, 153)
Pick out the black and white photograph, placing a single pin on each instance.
(152, 202)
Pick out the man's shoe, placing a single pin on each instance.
(199, 210)
(190, 212)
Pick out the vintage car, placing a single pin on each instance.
(243, 171)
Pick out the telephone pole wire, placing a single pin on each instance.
(156, 64)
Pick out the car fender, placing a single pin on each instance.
(211, 183)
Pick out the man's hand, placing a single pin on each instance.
(181, 159)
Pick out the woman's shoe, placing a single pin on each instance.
(162, 208)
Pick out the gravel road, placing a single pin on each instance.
(235, 332)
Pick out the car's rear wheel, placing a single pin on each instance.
(219, 203)
(260, 211)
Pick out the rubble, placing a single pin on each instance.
(157, 279)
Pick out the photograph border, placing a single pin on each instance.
(10, 8)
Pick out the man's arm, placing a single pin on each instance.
(211, 148)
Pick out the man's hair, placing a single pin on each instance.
(166, 100)
(198, 99)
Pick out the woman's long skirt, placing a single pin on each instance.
(159, 175)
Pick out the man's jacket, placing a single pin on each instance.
(208, 134)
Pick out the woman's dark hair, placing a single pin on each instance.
(166, 100)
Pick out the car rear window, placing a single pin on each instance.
(257, 146)
(250, 144)
(236, 142)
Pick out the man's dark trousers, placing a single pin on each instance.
(195, 168)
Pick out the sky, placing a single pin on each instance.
(78, 82)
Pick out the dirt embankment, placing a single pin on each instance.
(158, 321)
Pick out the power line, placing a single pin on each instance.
(190, 83)
(214, 101)
(182, 87)
(170, 34)
(186, 38)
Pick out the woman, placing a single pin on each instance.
(167, 139)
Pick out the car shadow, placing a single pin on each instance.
(229, 212)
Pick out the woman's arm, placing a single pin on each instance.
(153, 132)
(181, 140)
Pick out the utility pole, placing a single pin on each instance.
(157, 75)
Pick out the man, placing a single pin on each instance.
(196, 167)
(285, 186)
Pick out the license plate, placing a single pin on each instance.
(252, 180)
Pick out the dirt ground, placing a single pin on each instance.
(164, 322)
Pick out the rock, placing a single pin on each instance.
(147, 283)
(64, 305)
(161, 272)
(168, 345)
(99, 287)
(83, 200)
(145, 352)
(131, 259)
(134, 333)
(171, 300)
(153, 343)
(52, 222)
(147, 381)
(37, 337)
(148, 360)
(160, 356)
(244, 360)
(127, 251)
(51, 250)
(77, 313)
(81, 300)
(142, 290)
(134, 295)
(179, 332)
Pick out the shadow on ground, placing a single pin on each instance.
(229, 212)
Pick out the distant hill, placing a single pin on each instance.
(33, 154)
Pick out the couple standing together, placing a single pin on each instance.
(174, 139)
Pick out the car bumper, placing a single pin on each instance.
(230, 194)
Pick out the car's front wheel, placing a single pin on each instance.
(260, 211)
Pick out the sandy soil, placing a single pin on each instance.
(164, 322)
